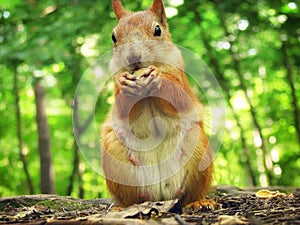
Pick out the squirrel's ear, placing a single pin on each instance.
(118, 9)
(159, 10)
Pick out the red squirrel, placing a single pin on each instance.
(154, 144)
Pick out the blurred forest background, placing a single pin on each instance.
(252, 47)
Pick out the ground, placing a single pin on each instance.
(234, 206)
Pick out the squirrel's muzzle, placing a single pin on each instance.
(133, 58)
(133, 53)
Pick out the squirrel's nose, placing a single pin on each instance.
(134, 58)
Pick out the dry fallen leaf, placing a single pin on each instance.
(265, 194)
(145, 210)
(231, 220)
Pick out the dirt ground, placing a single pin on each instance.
(233, 206)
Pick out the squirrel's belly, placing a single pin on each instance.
(158, 153)
(160, 173)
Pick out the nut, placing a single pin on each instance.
(264, 194)
(139, 73)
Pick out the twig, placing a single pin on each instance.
(179, 219)
(109, 207)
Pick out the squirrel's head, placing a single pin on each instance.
(150, 24)
(140, 38)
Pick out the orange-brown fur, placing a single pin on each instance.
(171, 99)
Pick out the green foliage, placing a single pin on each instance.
(56, 41)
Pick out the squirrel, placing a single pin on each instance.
(153, 139)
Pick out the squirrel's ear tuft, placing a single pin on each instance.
(118, 9)
(159, 10)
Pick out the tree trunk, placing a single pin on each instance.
(46, 170)
(76, 172)
(78, 130)
(19, 131)
(289, 76)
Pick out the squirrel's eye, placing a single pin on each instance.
(157, 31)
(113, 37)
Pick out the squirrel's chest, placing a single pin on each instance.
(151, 123)
(149, 136)
(153, 134)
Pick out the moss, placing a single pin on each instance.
(57, 204)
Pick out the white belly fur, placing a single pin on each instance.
(159, 171)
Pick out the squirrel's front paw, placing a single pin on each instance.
(150, 81)
(144, 85)
(127, 84)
